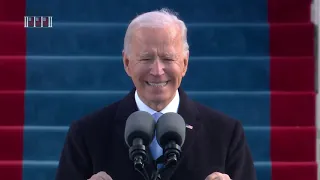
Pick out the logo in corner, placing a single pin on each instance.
(38, 21)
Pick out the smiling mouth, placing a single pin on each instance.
(157, 84)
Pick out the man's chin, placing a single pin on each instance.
(158, 97)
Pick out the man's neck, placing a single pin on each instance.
(157, 106)
(170, 105)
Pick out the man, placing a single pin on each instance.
(156, 56)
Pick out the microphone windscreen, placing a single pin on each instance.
(170, 127)
(140, 124)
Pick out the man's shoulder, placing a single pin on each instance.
(218, 125)
(99, 118)
(211, 117)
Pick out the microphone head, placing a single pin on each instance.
(170, 127)
(140, 124)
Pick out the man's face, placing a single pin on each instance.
(156, 63)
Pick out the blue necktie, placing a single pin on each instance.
(156, 150)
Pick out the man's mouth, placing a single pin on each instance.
(157, 84)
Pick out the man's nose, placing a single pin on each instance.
(157, 68)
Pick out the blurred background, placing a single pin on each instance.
(255, 60)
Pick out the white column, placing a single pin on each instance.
(316, 20)
(26, 21)
(50, 21)
(34, 21)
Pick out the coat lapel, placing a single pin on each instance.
(188, 110)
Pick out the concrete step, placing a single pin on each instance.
(204, 74)
(125, 10)
(59, 108)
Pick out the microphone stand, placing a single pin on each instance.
(172, 153)
(140, 168)
(137, 153)
(144, 173)
(169, 159)
(155, 174)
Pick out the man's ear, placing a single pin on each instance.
(185, 63)
(125, 59)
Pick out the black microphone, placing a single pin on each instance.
(171, 133)
(139, 133)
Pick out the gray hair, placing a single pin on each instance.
(156, 18)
